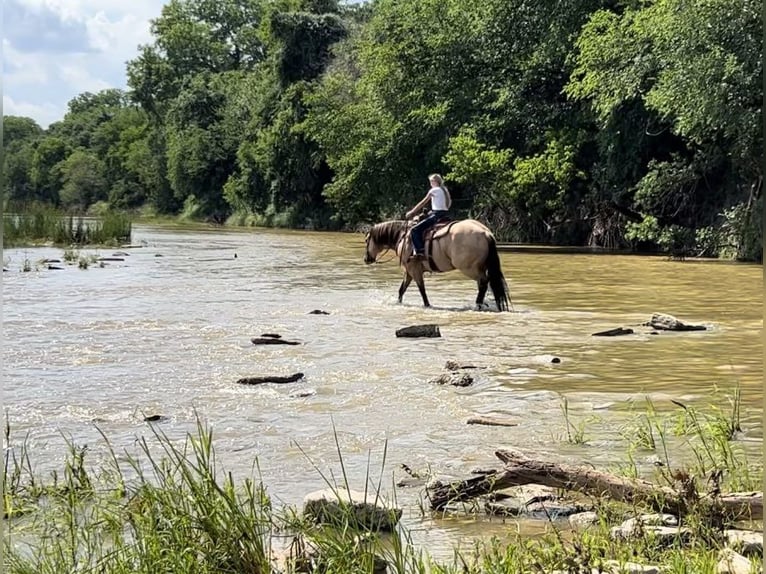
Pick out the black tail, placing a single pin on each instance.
(496, 279)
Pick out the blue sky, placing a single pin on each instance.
(54, 50)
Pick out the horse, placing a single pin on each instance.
(465, 245)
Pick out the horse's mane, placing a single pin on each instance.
(388, 232)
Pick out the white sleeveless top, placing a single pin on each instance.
(438, 199)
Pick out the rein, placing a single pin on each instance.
(377, 259)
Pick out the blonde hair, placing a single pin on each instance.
(439, 179)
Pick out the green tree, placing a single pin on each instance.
(692, 71)
(82, 176)
(45, 169)
(19, 129)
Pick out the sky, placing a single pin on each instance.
(54, 50)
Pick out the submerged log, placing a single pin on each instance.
(519, 469)
(613, 332)
(270, 379)
(419, 331)
(272, 341)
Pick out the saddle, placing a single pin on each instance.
(440, 228)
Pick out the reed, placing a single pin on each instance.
(36, 224)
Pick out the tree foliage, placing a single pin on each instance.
(608, 122)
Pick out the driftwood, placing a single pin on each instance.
(270, 379)
(491, 422)
(614, 332)
(520, 469)
(268, 340)
(419, 331)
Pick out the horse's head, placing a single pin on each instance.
(371, 249)
(382, 236)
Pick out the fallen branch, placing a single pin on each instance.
(272, 341)
(488, 421)
(270, 379)
(520, 470)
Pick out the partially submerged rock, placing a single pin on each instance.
(663, 528)
(357, 509)
(531, 501)
(663, 322)
(454, 379)
(154, 418)
(415, 331)
(747, 542)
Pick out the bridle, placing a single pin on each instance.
(377, 258)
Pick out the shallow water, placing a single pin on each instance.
(167, 331)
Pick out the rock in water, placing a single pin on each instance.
(663, 322)
(340, 506)
(419, 331)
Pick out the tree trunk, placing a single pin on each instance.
(521, 470)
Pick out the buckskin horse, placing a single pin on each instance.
(465, 245)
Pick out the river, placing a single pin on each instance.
(167, 331)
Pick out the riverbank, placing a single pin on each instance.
(172, 507)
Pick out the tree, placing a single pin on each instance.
(19, 129)
(82, 176)
(45, 169)
(694, 68)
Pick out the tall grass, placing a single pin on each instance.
(176, 514)
(44, 224)
(172, 509)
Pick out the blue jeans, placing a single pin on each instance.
(418, 231)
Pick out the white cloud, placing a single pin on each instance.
(54, 50)
(44, 114)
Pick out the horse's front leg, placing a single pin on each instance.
(414, 270)
(422, 287)
(405, 283)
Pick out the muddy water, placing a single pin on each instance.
(167, 331)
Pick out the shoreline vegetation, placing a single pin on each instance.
(44, 225)
(629, 125)
(170, 507)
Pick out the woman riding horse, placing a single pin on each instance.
(441, 201)
(465, 245)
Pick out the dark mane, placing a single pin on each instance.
(388, 233)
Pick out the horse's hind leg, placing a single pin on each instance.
(483, 284)
(405, 283)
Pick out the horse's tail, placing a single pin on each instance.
(496, 278)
